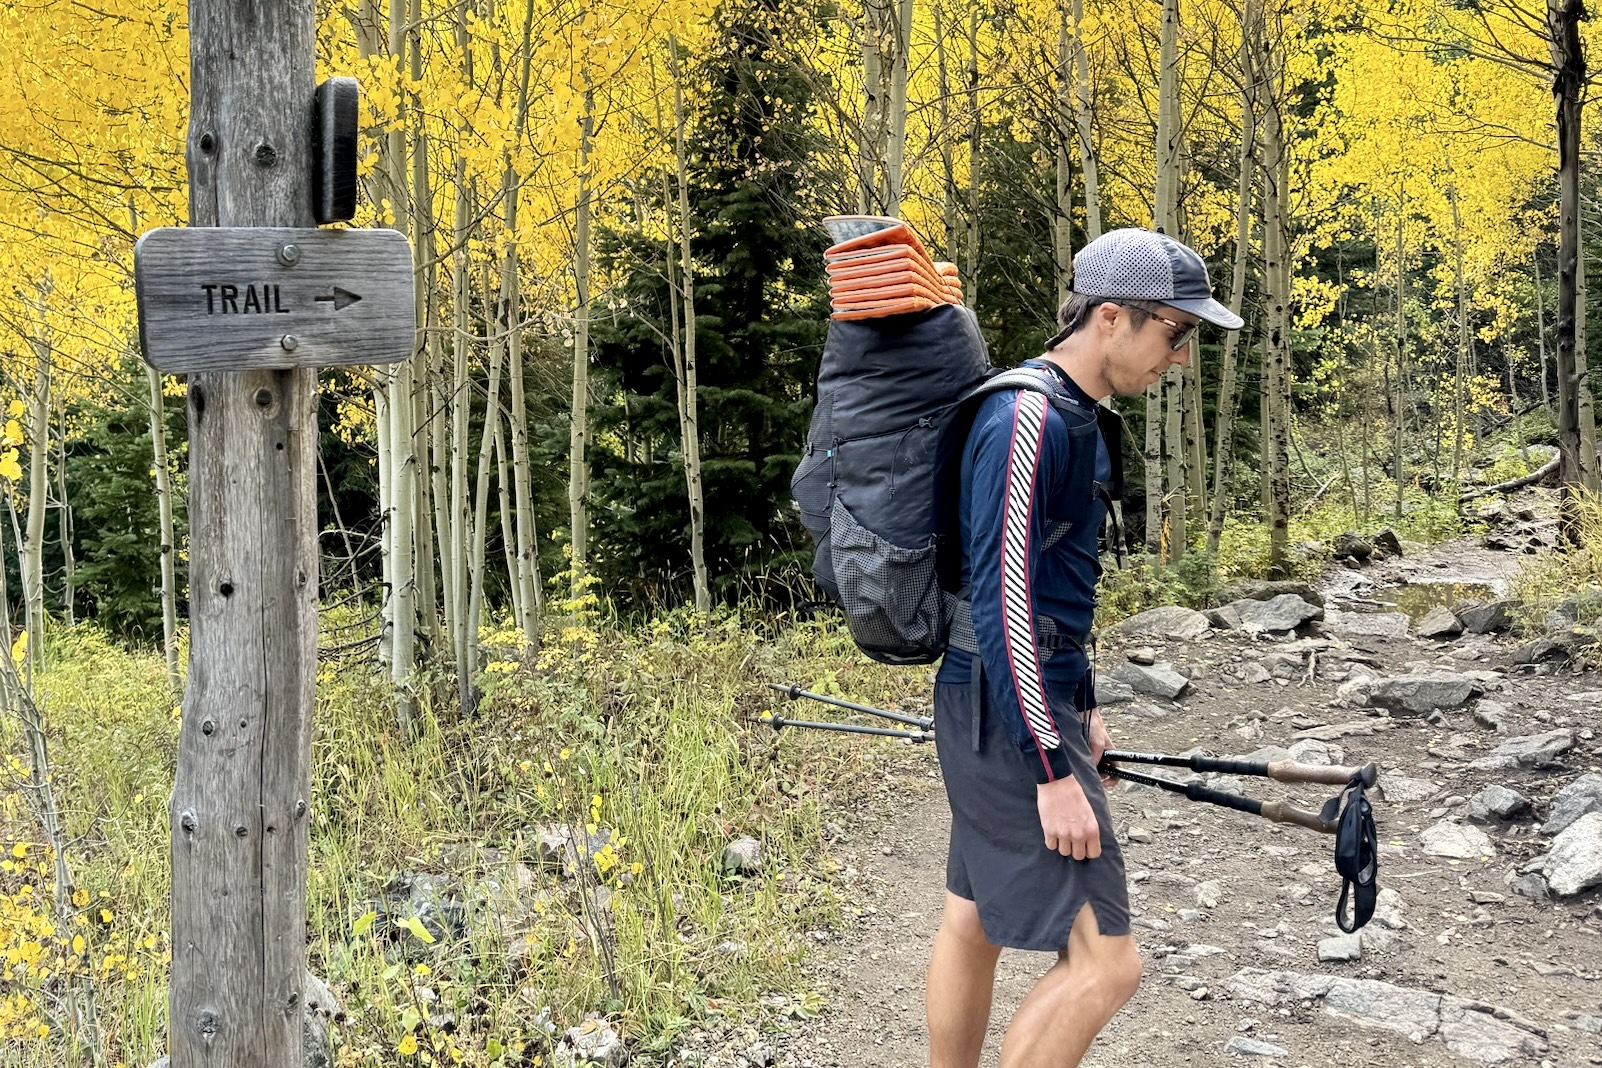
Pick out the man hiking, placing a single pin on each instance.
(1033, 861)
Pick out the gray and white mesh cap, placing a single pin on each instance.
(1135, 264)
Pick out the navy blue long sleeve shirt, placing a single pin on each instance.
(1029, 524)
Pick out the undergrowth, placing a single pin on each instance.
(648, 746)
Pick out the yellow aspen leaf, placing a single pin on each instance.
(19, 651)
(415, 925)
(9, 467)
(407, 1046)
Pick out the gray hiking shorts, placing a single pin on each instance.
(1028, 896)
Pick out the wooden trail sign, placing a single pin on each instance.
(250, 301)
(256, 298)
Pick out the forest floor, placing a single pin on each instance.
(1219, 897)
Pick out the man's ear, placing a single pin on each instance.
(1105, 315)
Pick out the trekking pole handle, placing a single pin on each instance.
(1280, 812)
(1278, 770)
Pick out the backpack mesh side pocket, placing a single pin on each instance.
(889, 592)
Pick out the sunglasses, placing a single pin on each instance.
(1182, 331)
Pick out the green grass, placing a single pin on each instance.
(654, 737)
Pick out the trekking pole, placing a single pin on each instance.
(1277, 811)
(1278, 770)
(780, 722)
(793, 692)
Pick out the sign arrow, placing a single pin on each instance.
(342, 298)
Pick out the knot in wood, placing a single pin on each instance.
(266, 155)
(226, 589)
(207, 727)
(187, 822)
(208, 142)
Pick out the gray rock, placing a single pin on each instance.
(1284, 612)
(1145, 656)
(1423, 692)
(1485, 618)
(1387, 542)
(1320, 754)
(1242, 1046)
(1529, 885)
(1581, 1021)
(1439, 623)
(1492, 715)
(1283, 665)
(1225, 618)
(1582, 796)
(1559, 647)
(1575, 863)
(1157, 680)
(1254, 672)
(1497, 803)
(1368, 624)
(1110, 691)
(1401, 788)
(1267, 590)
(1342, 947)
(1454, 840)
(1352, 546)
(593, 1044)
(1168, 623)
(1473, 1029)
(743, 856)
(1527, 751)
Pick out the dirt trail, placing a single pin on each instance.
(1235, 892)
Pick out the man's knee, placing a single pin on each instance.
(960, 922)
(1112, 958)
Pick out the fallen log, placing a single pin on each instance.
(1540, 474)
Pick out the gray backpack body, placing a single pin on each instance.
(877, 485)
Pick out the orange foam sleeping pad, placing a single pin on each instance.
(887, 272)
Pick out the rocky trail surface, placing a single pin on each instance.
(1487, 944)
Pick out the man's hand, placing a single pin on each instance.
(1100, 742)
(1067, 820)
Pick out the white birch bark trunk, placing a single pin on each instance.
(578, 491)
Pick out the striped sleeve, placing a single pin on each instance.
(1016, 451)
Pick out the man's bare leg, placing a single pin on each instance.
(962, 976)
(1074, 1000)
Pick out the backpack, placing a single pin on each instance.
(877, 485)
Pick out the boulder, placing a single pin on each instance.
(1497, 803)
(1157, 680)
(1168, 623)
(1439, 623)
(1223, 618)
(1575, 863)
(1285, 612)
(1480, 618)
(1579, 798)
(1492, 715)
(1402, 789)
(1368, 624)
(1557, 647)
(1352, 546)
(1423, 692)
(1111, 691)
(1455, 841)
(1283, 665)
(1487, 1033)
(1266, 590)
(1387, 542)
(1254, 672)
(1527, 751)
(1342, 947)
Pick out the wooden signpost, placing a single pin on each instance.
(251, 321)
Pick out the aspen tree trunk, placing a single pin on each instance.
(1540, 330)
(169, 550)
(1398, 455)
(38, 464)
(1588, 455)
(1062, 228)
(527, 575)
(1460, 363)
(1089, 165)
(684, 354)
(578, 483)
(1276, 296)
(1165, 489)
(975, 129)
(487, 453)
(948, 164)
(1568, 86)
(896, 128)
(1224, 430)
(875, 105)
(503, 483)
(464, 530)
(64, 524)
(425, 422)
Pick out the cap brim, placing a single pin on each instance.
(1210, 311)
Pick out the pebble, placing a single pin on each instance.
(1252, 1047)
(1141, 835)
(1344, 947)
(1144, 655)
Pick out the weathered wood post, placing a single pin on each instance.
(241, 800)
(249, 301)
